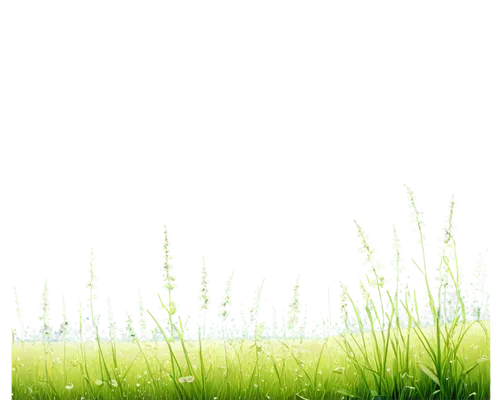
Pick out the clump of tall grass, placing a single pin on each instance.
(380, 354)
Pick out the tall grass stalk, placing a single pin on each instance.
(203, 373)
(83, 361)
(204, 296)
(105, 371)
(168, 304)
(46, 335)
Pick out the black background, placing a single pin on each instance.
(264, 222)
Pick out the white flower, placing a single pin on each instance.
(92, 284)
(416, 215)
(69, 386)
(368, 255)
(21, 315)
(167, 274)
(205, 298)
(65, 320)
(110, 317)
(187, 379)
(225, 308)
(45, 308)
(295, 314)
(143, 327)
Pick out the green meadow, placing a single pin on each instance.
(388, 344)
(311, 369)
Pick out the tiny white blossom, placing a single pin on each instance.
(187, 379)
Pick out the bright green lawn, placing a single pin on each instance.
(313, 369)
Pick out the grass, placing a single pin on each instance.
(313, 369)
(382, 349)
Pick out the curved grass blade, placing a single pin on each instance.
(276, 370)
(470, 368)
(346, 393)
(430, 373)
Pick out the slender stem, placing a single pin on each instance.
(204, 323)
(47, 370)
(64, 363)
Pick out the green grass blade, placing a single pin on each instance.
(338, 370)
(429, 372)
(317, 365)
(276, 369)
(347, 393)
(471, 367)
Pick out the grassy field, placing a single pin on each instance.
(407, 352)
(238, 369)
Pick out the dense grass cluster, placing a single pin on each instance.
(381, 349)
